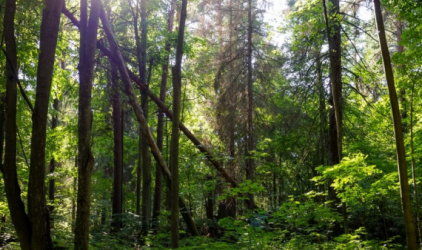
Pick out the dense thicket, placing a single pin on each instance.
(210, 124)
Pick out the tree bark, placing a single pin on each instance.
(16, 207)
(160, 123)
(88, 38)
(118, 151)
(398, 131)
(140, 117)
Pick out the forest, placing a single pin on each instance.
(210, 124)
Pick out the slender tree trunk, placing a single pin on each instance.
(37, 209)
(74, 189)
(16, 207)
(250, 166)
(322, 114)
(139, 176)
(160, 123)
(135, 13)
(209, 202)
(88, 39)
(2, 126)
(53, 163)
(415, 187)
(174, 158)
(38, 212)
(117, 56)
(398, 131)
(2, 121)
(146, 166)
(402, 90)
(227, 207)
(118, 151)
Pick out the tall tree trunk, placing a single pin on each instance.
(16, 207)
(334, 44)
(36, 231)
(117, 57)
(398, 131)
(322, 112)
(227, 207)
(88, 39)
(174, 158)
(37, 209)
(336, 117)
(118, 151)
(143, 144)
(250, 168)
(160, 122)
(135, 13)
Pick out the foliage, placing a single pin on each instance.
(291, 110)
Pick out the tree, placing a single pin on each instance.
(13, 192)
(250, 147)
(398, 131)
(88, 40)
(160, 123)
(336, 115)
(146, 166)
(32, 228)
(174, 155)
(118, 150)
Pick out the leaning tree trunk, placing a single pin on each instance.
(88, 39)
(398, 131)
